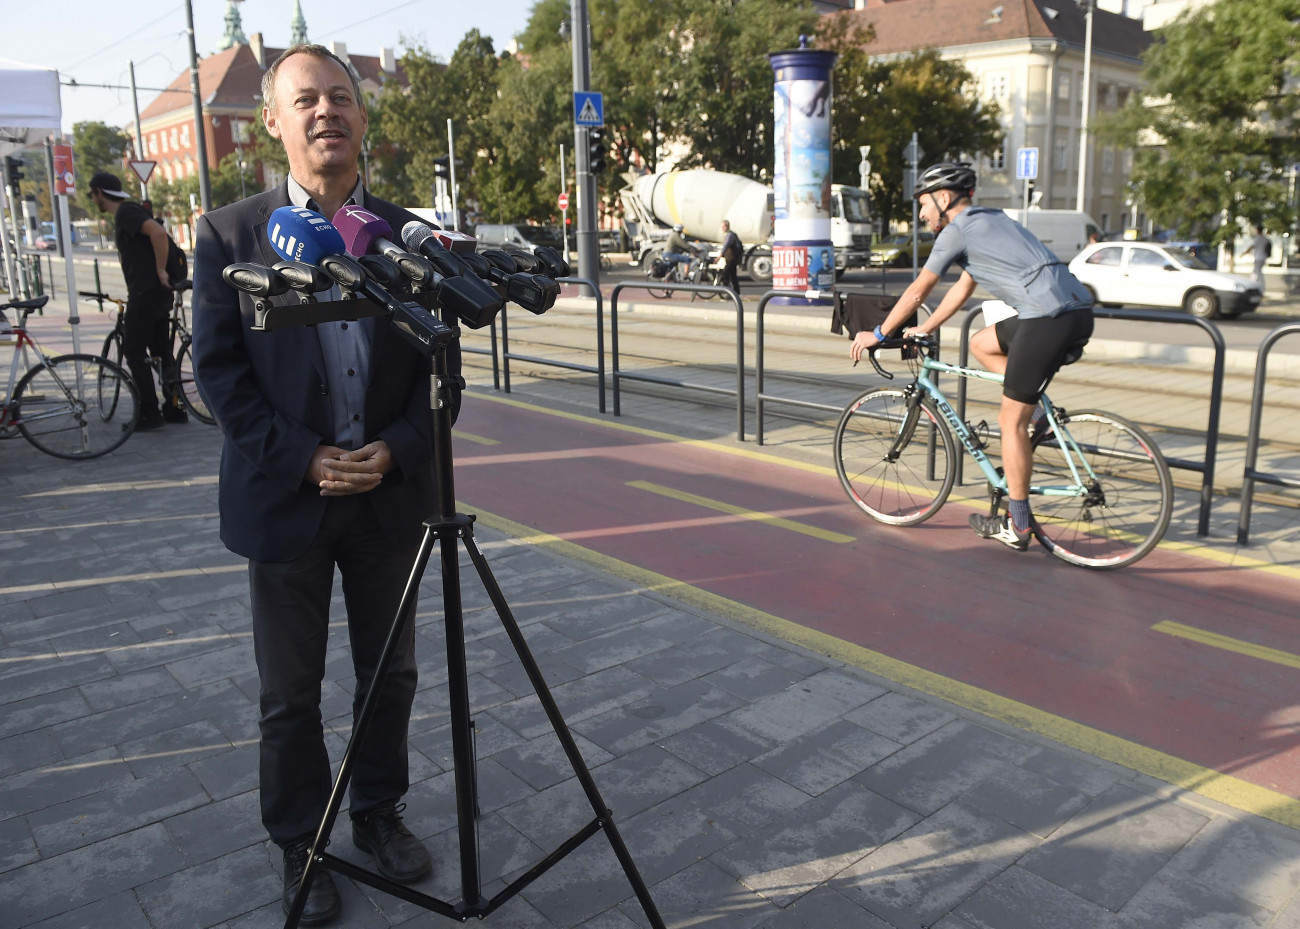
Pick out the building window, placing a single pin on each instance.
(1107, 159)
(1061, 156)
(185, 136)
(175, 136)
(1063, 81)
(153, 143)
(239, 131)
(164, 140)
(998, 160)
(997, 86)
(1128, 161)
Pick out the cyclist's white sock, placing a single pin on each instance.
(1020, 514)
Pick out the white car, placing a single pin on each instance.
(1151, 274)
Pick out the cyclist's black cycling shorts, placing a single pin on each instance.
(1037, 348)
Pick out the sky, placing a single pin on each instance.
(87, 43)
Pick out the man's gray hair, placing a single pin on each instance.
(316, 51)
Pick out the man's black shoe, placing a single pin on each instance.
(323, 902)
(399, 855)
(150, 424)
(173, 414)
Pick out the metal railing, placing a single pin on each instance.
(1250, 475)
(1206, 466)
(761, 397)
(599, 370)
(496, 358)
(617, 375)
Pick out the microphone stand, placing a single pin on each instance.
(449, 529)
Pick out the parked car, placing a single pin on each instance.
(47, 243)
(896, 250)
(1151, 274)
(517, 237)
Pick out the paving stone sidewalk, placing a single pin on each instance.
(756, 784)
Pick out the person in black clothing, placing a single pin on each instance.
(732, 251)
(142, 248)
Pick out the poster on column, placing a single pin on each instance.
(802, 176)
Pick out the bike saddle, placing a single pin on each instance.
(35, 303)
(182, 285)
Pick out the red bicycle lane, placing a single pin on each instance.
(1070, 642)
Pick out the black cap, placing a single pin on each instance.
(110, 185)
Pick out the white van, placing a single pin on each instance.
(1065, 232)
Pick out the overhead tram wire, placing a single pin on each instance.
(111, 45)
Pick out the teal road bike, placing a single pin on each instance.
(1100, 489)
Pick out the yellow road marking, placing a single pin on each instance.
(476, 439)
(1214, 640)
(1223, 788)
(1232, 558)
(824, 534)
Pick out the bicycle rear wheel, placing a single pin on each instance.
(895, 458)
(108, 391)
(1125, 511)
(189, 388)
(59, 410)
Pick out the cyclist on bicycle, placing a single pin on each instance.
(677, 250)
(1053, 321)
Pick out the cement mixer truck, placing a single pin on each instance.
(700, 199)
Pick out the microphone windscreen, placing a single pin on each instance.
(298, 234)
(360, 228)
(414, 235)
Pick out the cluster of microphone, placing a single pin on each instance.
(357, 253)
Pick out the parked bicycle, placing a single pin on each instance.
(57, 404)
(182, 389)
(1101, 489)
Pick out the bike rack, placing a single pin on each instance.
(616, 375)
(1205, 467)
(1250, 475)
(599, 370)
(761, 399)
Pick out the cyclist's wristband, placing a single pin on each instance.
(878, 333)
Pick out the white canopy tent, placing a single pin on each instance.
(30, 111)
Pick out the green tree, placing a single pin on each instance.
(722, 107)
(881, 103)
(96, 147)
(1218, 119)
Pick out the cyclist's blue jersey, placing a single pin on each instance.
(1008, 261)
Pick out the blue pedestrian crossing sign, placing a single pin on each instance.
(588, 108)
(1026, 164)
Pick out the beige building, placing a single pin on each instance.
(1028, 56)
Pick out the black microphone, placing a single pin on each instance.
(257, 280)
(304, 278)
(555, 265)
(534, 292)
(298, 234)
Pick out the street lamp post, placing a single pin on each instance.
(1086, 105)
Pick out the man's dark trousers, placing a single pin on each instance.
(291, 620)
(145, 329)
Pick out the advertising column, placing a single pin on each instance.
(802, 256)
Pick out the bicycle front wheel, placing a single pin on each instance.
(1128, 498)
(189, 388)
(59, 409)
(108, 391)
(895, 457)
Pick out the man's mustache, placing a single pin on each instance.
(315, 131)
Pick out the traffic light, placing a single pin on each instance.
(596, 149)
(442, 167)
(13, 170)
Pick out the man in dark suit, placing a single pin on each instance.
(327, 461)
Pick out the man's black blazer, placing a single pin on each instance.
(270, 395)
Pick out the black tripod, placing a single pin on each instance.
(450, 528)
